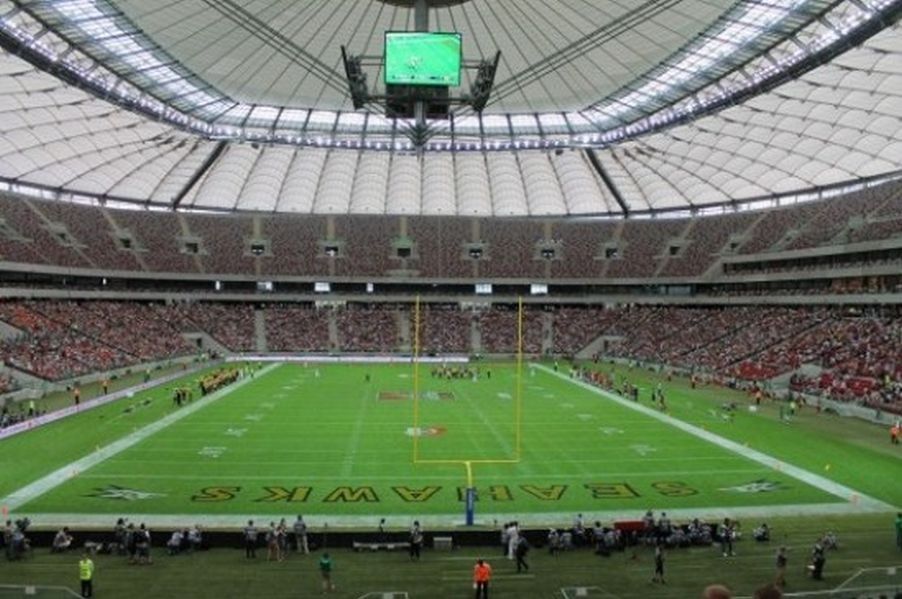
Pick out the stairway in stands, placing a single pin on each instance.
(260, 329)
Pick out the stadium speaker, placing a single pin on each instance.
(356, 78)
(482, 86)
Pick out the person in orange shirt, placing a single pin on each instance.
(482, 573)
(894, 434)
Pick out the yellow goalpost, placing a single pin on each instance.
(469, 463)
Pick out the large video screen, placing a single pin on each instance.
(420, 58)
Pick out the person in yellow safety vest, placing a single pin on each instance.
(86, 575)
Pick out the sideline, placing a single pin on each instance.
(33, 423)
(855, 499)
(58, 477)
(323, 523)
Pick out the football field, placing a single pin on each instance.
(337, 442)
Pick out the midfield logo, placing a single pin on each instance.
(122, 493)
(757, 486)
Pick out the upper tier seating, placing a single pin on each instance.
(92, 238)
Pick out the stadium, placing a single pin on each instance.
(610, 288)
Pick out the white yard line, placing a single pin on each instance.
(855, 499)
(499, 438)
(43, 485)
(394, 477)
(329, 456)
(350, 452)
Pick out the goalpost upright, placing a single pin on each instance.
(518, 391)
(416, 380)
(470, 499)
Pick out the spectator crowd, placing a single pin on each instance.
(854, 352)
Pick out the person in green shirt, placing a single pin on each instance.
(325, 570)
(86, 575)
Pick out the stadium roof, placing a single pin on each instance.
(681, 102)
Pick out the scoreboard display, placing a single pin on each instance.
(422, 58)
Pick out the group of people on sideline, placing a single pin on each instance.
(281, 538)
(277, 538)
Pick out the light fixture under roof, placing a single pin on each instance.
(429, 3)
(105, 45)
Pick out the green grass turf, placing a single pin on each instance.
(329, 445)
(859, 454)
(28, 456)
(866, 542)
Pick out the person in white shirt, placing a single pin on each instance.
(174, 544)
(62, 541)
(513, 539)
